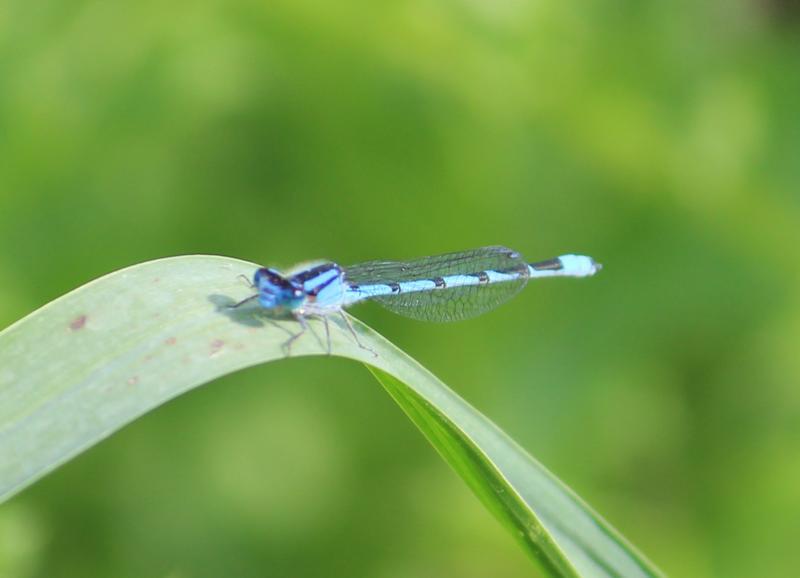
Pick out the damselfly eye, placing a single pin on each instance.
(258, 275)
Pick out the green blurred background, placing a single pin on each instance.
(661, 138)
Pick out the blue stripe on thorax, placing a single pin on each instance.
(316, 278)
(323, 286)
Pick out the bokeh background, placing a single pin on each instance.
(661, 138)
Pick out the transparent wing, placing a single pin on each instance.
(449, 303)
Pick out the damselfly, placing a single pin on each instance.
(440, 288)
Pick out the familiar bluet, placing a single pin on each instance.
(445, 287)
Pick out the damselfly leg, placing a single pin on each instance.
(355, 335)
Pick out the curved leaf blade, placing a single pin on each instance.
(86, 364)
(564, 535)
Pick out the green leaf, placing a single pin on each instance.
(85, 365)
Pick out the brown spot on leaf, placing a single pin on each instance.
(171, 341)
(216, 346)
(78, 323)
(133, 380)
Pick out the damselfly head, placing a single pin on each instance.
(276, 291)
